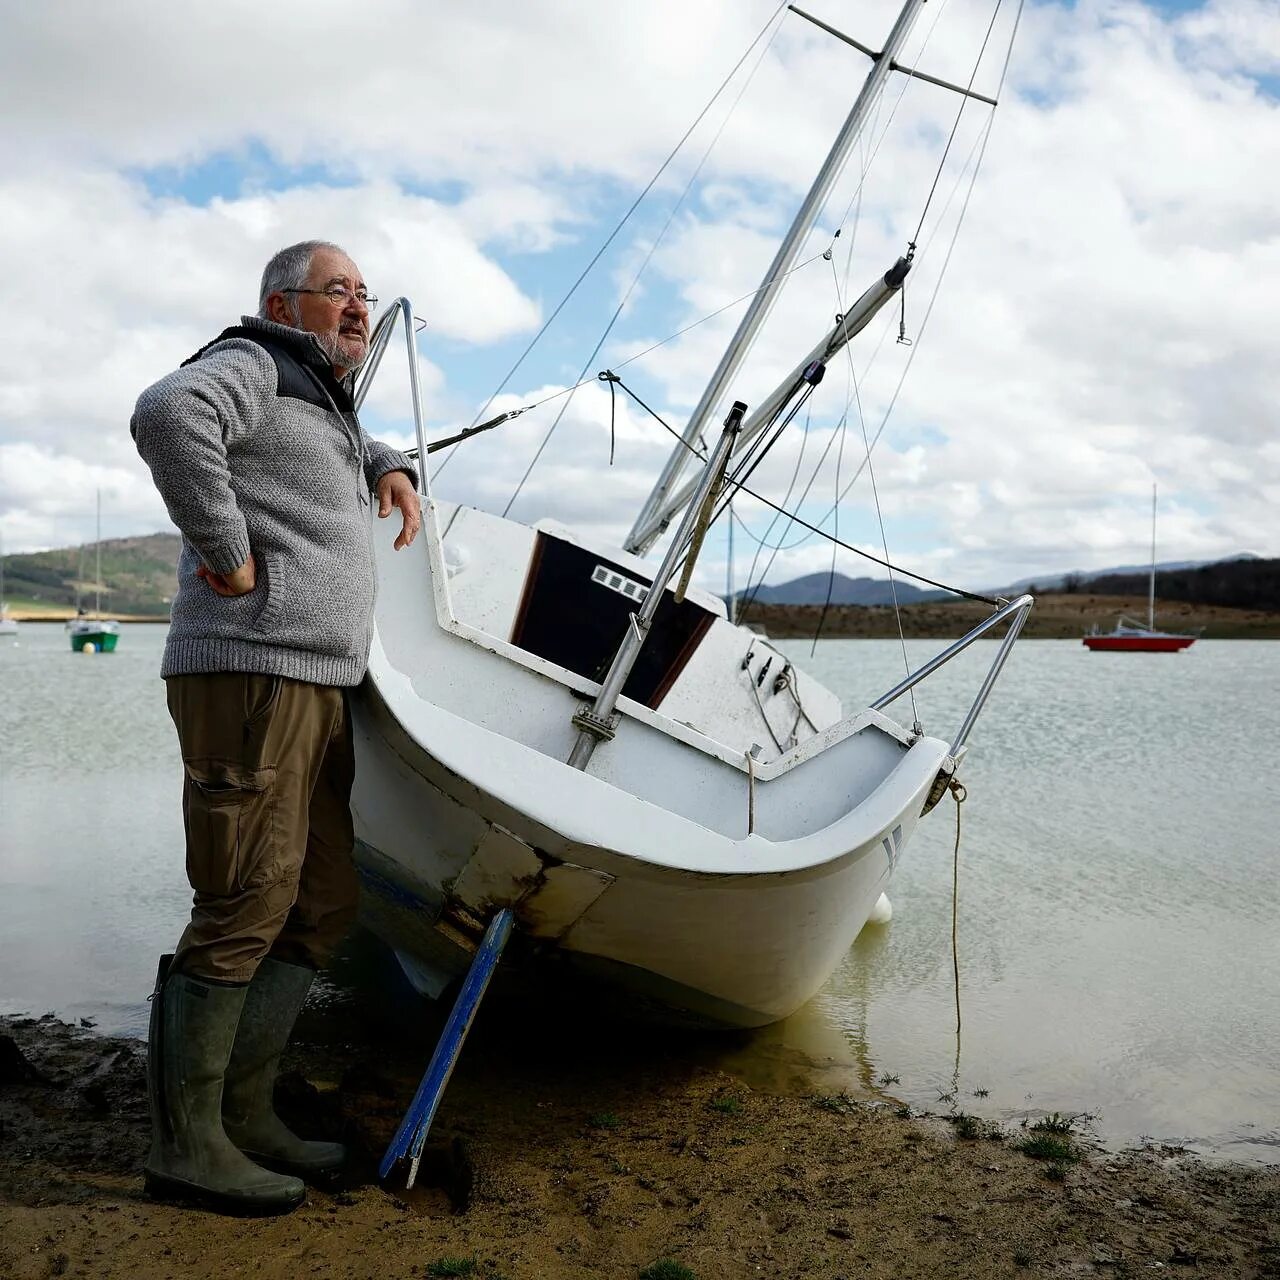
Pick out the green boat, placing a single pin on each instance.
(95, 634)
(103, 634)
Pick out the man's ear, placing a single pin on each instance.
(278, 309)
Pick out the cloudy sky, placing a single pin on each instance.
(1097, 316)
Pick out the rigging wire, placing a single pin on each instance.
(964, 102)
(844, 427)
(635, 204)
(875, 493)
(790, 515)
(653, 248)
(980, 146)
(782, 544)
(786, 498)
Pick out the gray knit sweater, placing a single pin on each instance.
(255, 446)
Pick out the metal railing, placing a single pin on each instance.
(378, 343)
(1016, 613)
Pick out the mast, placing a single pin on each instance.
(97, 570)
(762, 302)
(1151, 591)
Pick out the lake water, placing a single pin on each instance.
(1119, 895)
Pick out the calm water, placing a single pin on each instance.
(1119, 895)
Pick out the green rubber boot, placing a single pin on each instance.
(193, 1026)
(248, 1111)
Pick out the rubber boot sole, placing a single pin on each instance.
(175, 1191)
(322, 1179)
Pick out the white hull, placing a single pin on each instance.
(639, 868)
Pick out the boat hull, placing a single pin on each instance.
(722, 884)
(102, 641)
(438, 850)
(1138, 644)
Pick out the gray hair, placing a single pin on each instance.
(289, 269)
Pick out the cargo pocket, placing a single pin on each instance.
(232, 843)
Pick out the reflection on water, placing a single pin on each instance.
(1117, 886)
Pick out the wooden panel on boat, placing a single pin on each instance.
(574, 612)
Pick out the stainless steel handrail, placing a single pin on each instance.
(1016, 611)
(378, 343)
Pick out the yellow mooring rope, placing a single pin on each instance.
(961, 795)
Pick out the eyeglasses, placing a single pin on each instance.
(340, 296)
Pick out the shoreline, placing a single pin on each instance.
(561, 1152)
(1056, 616)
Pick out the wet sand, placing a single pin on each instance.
(609, 1150)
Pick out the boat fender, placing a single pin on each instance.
(882, 912)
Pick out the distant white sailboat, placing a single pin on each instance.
(8, 624)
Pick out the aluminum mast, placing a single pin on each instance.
(763, 300)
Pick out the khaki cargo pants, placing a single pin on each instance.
(266, 797)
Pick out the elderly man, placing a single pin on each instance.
(255, 447)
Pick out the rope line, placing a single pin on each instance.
(626, 217)
(960, 794)
(964, 102)
(875, 494)
(790, 515)
(653, 248)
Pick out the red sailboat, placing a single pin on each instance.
(1133, 637)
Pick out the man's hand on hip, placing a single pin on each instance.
(238, 582)
(396, 490)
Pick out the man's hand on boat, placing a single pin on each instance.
(395, 489)
(239, 582)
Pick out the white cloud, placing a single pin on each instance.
(1106, 317)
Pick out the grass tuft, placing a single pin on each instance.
(1048, 1146)
(666, 1269)
(603, 1120)
(966, 1126)
(840, 1103)
(1054, 1124)
(452, 1267)
(727, 1105)
(1056, 1172)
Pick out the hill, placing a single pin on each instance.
(1056, 616)
(812, 589)
(1238, 584)
(139, 577)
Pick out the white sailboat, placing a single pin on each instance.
(660, 795)
(8, 624)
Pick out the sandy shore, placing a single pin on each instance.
(604, 1151)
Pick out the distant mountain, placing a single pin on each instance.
(139, 577)
(812, 589)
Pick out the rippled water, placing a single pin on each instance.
(1118, 886)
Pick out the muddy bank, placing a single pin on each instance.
(604, 1152)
